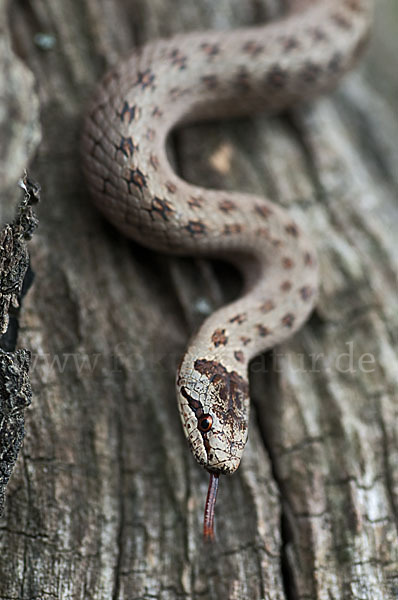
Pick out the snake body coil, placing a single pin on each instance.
(195, 77)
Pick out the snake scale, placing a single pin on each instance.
(198, 76)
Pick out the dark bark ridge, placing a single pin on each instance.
(15, 279)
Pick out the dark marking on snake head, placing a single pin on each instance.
(239, 319)
(195, 202)
(162, 207)
(233, 390)
(128, 113)
(262, 330)
(138, 178)
(287, 263)
(292, 229)
(252, 48)
(219, 338)
(267, 306)
(276, 77)
(205, 420)
(193, 403)
(286, 286)
(196, 227)
(288, 320)
(245, 340)
(227, 206)
(145, 79)
(263, 211)
(306, 292)
(239, 356)
(211, 50)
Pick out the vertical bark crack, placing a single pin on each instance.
(120, 532)
(289, 587)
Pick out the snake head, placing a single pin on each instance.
(214, 409)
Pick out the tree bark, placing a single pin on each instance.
(105, 500)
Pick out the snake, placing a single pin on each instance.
(199, 76)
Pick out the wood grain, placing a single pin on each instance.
(99, 506)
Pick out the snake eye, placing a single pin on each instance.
(205, 423)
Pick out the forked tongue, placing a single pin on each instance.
(208, 525)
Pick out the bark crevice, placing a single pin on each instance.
(105, 501)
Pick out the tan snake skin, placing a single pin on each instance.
(211, 75)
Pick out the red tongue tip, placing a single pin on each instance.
(208, 525)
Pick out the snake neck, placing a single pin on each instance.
(212, 381)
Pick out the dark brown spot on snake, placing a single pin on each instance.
(171, 187)
(306, 292)
(292, 229)
(127, 147)
(196, 227)
(227, 206)
(138, 178)
(195, 202)
(219, 338)
(263, 211)
(162, 207)
(286, 286)
(239, 319)
(287, 263)
(239, 356)
(341, 21)
(145, 79)
(211, 50)
(128, 113)
(252, 48)
(262, 330)
(267, 306)
(288, 320)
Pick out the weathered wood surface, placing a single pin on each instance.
(105, 500)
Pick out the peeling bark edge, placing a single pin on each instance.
(16, 277)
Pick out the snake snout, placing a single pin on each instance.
(221, 462)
